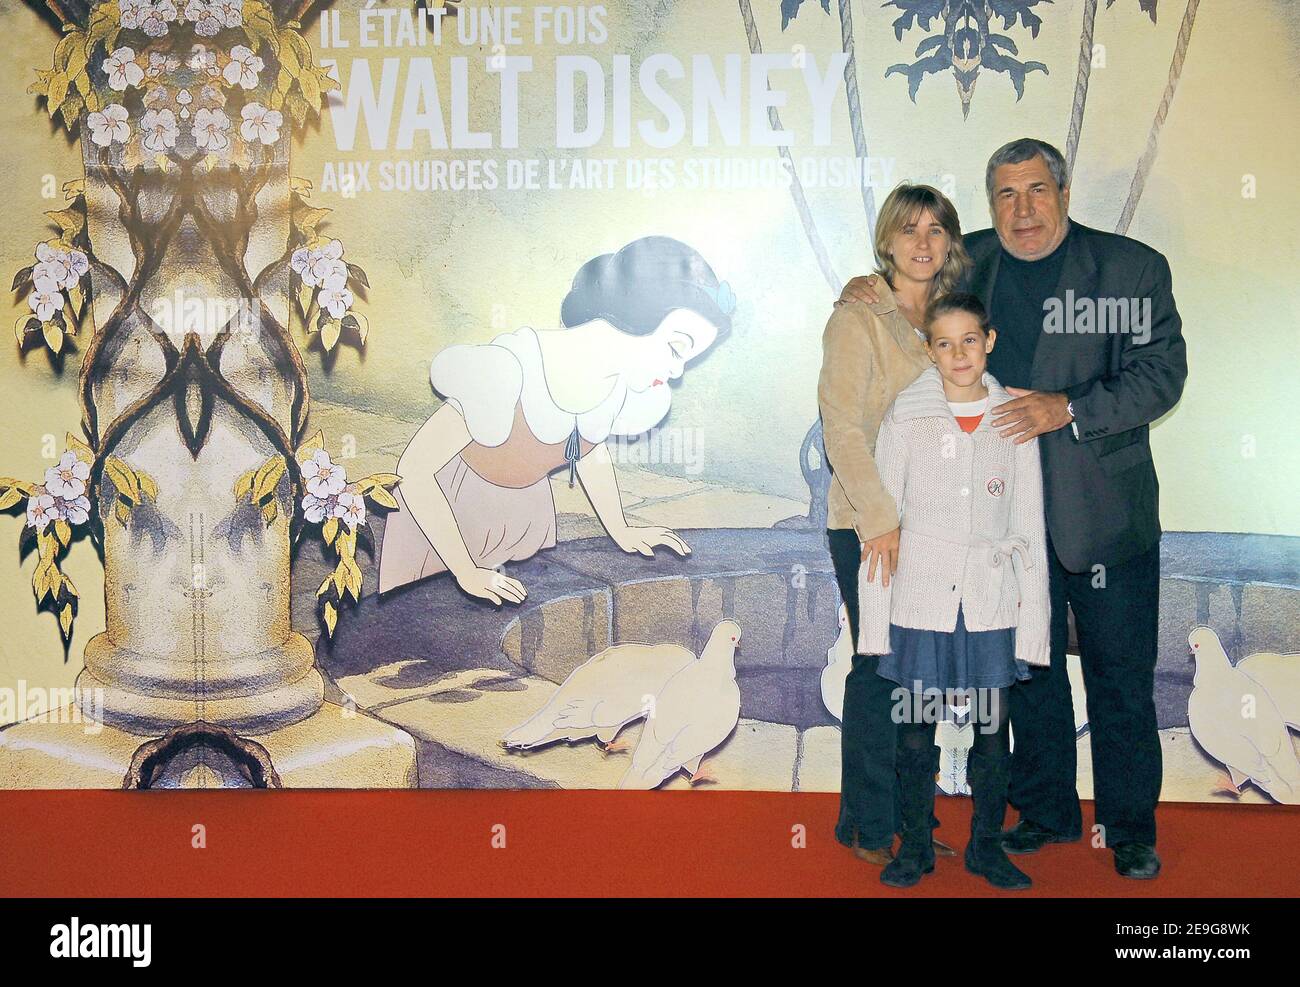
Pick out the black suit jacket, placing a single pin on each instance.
(1100, 490)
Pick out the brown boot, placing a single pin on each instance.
(879, 857)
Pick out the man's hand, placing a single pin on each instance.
(882, 549)
(1031, 414)
(860, 289)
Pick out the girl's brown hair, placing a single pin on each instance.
(904, 205)
(957, 301)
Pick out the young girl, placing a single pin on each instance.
(967, 609)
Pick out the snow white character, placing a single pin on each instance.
(475, 489)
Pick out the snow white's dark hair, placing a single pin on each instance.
(635, 288)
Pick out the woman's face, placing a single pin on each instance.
(661, 356)
(920, 248)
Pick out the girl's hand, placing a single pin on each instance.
(488, 584)
(644, 539)
(884, 550)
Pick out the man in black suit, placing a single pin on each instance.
(1090, 345)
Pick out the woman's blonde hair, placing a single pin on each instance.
(904, 205)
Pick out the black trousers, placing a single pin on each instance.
(1115, 616)
(868, 733)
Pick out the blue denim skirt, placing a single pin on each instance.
(922, 661)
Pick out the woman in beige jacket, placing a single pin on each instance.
(869, 354)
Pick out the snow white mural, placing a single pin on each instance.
(476, 490)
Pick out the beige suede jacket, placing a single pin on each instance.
(869, 354)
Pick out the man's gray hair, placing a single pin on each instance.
(1022, 150)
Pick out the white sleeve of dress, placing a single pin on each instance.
(1034, 625)
(873, 597)
(483, 382)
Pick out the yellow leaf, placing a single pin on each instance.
(325, 585)
(65, 619)
(93, 103)
(383, 498)
(354, 579)
(301, 185)
(47, 545)
(74, 189)
(329, 529)
(75, 297)
(331, 617)
(57, 92)
(77, 55)
(244, 485)
(329, 334)
(368, 483)
(307, 218)
(209, 162)
(161, 161)
(123, 513)
(70, 221)
(269, 512)
(363, 326)
(310, 87)
(53, 335)
(148, 486)
(305, 293)
(268, 475)
(83, 451)
(41, 581)
(67, 585)
(304, 451)
(9, 498)
(63, 530)
(123, 478)
(23, 326)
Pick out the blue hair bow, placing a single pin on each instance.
(725, 297)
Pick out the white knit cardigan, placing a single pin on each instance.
(973, 533)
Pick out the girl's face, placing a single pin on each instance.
(661, 356)
(959, 347)
(920, 248)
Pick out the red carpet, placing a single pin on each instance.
(83, 844)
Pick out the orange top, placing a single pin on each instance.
(968, 423)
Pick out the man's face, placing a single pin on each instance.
(1029, 211)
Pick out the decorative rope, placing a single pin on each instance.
(796, 187)
(1080, 84)
(1153, 138)
(855, 111)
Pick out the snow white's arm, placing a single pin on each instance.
(430, 449)
(600, 481)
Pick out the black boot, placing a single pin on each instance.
(984, 854)
(915, 859)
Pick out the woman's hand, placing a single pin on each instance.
(882, 549)
(643, 539)
(488, 584)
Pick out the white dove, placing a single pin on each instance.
(839, 661)
(694, 713)
(1254, 748)
(1279, 674)
(602, 695)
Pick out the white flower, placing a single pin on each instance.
(323, 478)
(154, 19)
(242, 68)
(160, 62)
(350, 509)
(108, 126)
(122, 69)
(231, 12)
(131, 13)
(203, 60)
(74, 510)
(260, 124)
(40, 511)
(211, 130)
(207, 21)
(334, 295)
(68, 479)
(183, 100)
(45, 298)
(155, 96)
(64, 267)
(315, 508)
(160, 130)
(316, 264)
